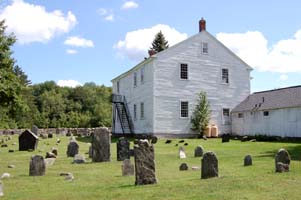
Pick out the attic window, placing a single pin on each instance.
(205, 48)
(142, 75)
(225, 75)
(266, 113)
(135, 79)
(118, 87)
(184, 71)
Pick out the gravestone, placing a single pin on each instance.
(198, 151)
(54, 151)
(49, 162)
(37, 166)
(127, 168)
(182, 153)
(79, 159)
(145, 170)
(123, 149)
(248, 160)
(90, 151)
(283, 157)
(167, 141)
(1, 189)
(282, 167)
(35, 129)
(50, 155)
(209, 165)
(72, 149)
(154, 139)
(225, 138)
(101, 145)
(183, 167)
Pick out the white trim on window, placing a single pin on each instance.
(142, 111)
(225, 76)
(184, 109)
(205, 48)
(135, 112)
(184, 73)
(142, 77)
(118, 87)
(135, 79)
(226, 116)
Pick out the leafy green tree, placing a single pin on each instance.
(201, 114)
(159, 43)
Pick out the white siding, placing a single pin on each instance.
(143, 92)
(204, 75)
(281, 122)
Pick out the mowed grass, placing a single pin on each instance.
(104, 180)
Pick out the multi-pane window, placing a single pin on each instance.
(226, 116)
(184, 108)
(184, 71)
(118, 89)
(142, 75)
(141, 110)
(240, 115)
(205, 48)
(266, 113)
(225, 75)
(135, 79)
(135, 112)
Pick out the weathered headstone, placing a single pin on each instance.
(123, 149)
(101, 145)
(79, 159)
(50, 155)
(182, 153)
(145, 170)
(209, 165)
(282, 167)
(72, 149)
(37, 166)
(54, 151)
(49, 161)
(282, 157)
(248, 160)
(183, 167)
(154, 139)
(1, 189)
(225, 138)
(198, 151)
(127, 168)
(90, 151)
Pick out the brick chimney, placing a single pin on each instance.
(151, 52)
(202, 25)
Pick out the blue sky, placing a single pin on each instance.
(96, 40)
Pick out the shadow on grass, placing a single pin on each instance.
(294, 151)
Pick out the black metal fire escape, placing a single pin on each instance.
(121, 109)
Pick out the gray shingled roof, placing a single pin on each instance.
(271, 99)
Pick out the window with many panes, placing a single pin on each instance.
(226, 116)
(135, 112)
(142, 75)
(205, 48)
(184, 109)
(135, 79)
(184, 71)
(118, 89)
(266, 113)
(225, 75)
(142, 110)
(240, 115)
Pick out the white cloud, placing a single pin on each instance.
(136, 43)
(283, 77)
(129, 5)
(71, 51)
(68, 83)
(106, 14)
(32, 23)
(252, 47)
(78, 42)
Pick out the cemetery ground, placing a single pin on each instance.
(104, 180)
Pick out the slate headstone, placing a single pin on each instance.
(283, 157)
(248, 160)
(225, 138)
(209, 165)
(145, 170)
(37, 166)
(101, 145)
(72, 149)
(281, 167)
(183, 167)
(123, 149)
(127, 168)
(198, 151)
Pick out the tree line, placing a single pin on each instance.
(46, 104)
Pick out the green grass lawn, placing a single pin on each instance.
(104, 180)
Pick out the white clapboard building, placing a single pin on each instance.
(158, 95)
(273, 113)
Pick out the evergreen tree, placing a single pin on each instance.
(159, 43)
(201, 115)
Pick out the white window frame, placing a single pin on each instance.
(142, 75)
(266, 111)
(118, 87)
(142, 111)
(135, 111)
(135, 79)
(240, 115)
(225, 120)
(203, 48)
(222, 80)
(180, 71)
(184, 101)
